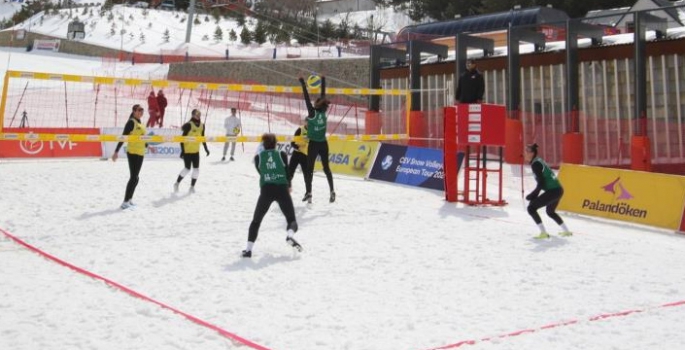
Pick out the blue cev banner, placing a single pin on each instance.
(414, 166)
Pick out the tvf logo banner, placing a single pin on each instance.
(633, 196)
(50, 149)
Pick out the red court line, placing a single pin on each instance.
(555, 325)
(130, 291)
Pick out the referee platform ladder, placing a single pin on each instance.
(477, 169)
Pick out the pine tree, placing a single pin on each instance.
(259, 34)
(166, 36)
(245, 36)
(107, 5)
(141, 37)
(327, 30)
(283, 36)
(196, 21)
(232, 36)
(216, 15)
(218, 34)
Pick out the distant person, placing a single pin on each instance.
(233, 127)
(299, 157)
(152, 109)
(190, 151)
(471, 85)
(161, 103)
(550, 185)
(135, 152)
(317, 122)
(274, 186)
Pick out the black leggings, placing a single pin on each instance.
(135, 163)
(268, 194)
(549, 199)
(317, 148)
(299, 158)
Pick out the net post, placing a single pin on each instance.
(3, 102)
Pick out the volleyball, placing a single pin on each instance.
(314, 81)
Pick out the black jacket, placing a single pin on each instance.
(471, 87)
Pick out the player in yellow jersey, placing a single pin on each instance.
(135, 152)
(299, 157)
(190, 151)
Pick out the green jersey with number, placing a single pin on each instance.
(316, 127)
(271, 168)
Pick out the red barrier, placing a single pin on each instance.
(450, 165)
(417, 129)
(640, 153)
(572, 148)
(513, 139)
(50, 149)
(372, 123)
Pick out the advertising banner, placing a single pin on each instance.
(46, 44)
(633, 196)
(421, 167)
(155, 150)
(48, 149)
(349, 157)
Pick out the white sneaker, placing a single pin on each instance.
(175, 186)
(192, 189)
(125, 205)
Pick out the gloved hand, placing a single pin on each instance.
(531, 196)
(207, 152)
(182, 154)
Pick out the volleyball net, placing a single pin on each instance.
(58, 107)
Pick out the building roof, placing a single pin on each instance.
(676, 14)
(672, 12)
(610, 17)
(484, 23)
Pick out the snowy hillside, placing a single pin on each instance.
(154, 31)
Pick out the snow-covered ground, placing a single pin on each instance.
(384, 267)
